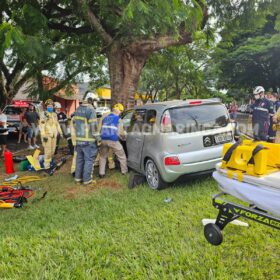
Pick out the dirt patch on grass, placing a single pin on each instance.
(109, 183)
(80, 190)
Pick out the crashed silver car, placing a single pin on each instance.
(167, 140)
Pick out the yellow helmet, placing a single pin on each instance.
(119, 107)
(49, 102)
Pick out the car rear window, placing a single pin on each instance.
(198, 118)
(12, 111)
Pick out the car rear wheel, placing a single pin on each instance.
(153, 176)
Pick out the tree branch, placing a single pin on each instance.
(94, 22)
(17, 69)
(146, 47)
(70, 29)
(5, 70)
(23, 80)
(65, 82)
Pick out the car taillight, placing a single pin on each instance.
(195, 102)
(173, 160)
(166, 122)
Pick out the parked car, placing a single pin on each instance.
(167, 140)
(100, 111)
(242, 108)
(13, 111)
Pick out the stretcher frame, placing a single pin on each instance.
(229, 211)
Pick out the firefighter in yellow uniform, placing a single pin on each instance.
(49, 130)
(86, 138)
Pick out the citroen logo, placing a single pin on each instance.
(207, 141)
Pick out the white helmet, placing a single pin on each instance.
(258, 90)
(57, 105)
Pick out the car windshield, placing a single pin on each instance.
(12, 110)
(198, 118)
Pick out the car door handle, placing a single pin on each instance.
(138, 139)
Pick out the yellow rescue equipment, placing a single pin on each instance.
(251, 158)
(6, 205)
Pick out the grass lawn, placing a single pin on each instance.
(110, 232)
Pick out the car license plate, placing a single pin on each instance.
(223, 138)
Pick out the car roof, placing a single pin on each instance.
(161, 106)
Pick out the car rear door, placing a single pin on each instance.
(135, 139)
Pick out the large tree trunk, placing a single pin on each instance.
(125, 68)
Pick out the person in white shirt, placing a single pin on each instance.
(3, 131)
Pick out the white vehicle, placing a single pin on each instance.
(242, 108)
(100, 111)
(13, 113)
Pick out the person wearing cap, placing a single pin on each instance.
(49, 129)
(85, 138)
(32, 119)
(262, 110)
(111, 131)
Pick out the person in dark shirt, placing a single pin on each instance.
(32, 119)
(273, 97)
(63, 122)
(262, 110)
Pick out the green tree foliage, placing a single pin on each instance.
(29, 49)
(249, 55)
(78, 34)
(177, 73)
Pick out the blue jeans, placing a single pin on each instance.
(86, 155)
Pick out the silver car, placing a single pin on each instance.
(167, 140)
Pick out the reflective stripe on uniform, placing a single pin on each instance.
(85, 139)
(79, 118)
(109, 126)
(92, 120)
(261, 109)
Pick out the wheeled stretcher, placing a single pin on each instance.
(262, 194)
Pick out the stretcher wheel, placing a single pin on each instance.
(213, 234)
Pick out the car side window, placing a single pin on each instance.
(151, 117)
(126, 119)
(137, 120)
(150, 120)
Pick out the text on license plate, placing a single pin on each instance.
(221, 138)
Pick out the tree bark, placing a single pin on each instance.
(125, 68)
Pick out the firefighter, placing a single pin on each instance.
(86, 138)
(276, 120)
(262, 110)
(272, 127)
(63, 122)
(49, 130)
(111, 160)
(111, 130)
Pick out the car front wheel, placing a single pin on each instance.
(153, 176)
